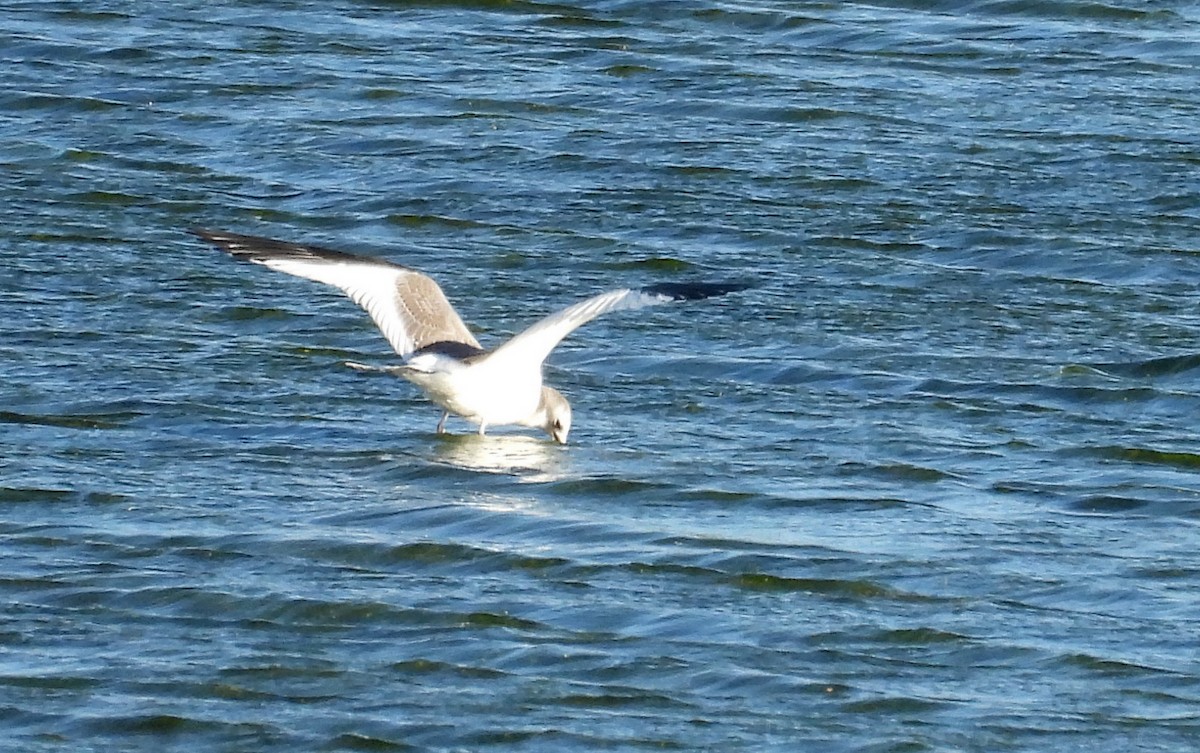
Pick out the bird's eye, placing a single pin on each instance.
(558, 424)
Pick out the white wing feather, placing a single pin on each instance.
(535, 343)
(369, 286)
(408, 307)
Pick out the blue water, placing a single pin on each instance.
(932, 484)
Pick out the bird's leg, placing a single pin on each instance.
(441, 427)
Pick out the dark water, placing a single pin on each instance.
(932, 485)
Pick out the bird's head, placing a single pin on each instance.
(555, 414)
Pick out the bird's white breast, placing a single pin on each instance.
(485, 391)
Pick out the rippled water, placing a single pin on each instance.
(932, 485)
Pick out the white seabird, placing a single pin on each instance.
(441, 356)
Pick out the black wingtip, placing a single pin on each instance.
(218, 238)
(256, 248)
(694, 291)
(244, 247)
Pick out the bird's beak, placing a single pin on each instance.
(559, 436)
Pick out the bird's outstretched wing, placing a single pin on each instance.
(535, 343)
(407, 306)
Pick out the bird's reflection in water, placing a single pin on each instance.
(530, 459)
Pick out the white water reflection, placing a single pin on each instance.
(530, 459)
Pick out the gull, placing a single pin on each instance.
(495, 387)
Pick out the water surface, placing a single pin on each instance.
(931, 485)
